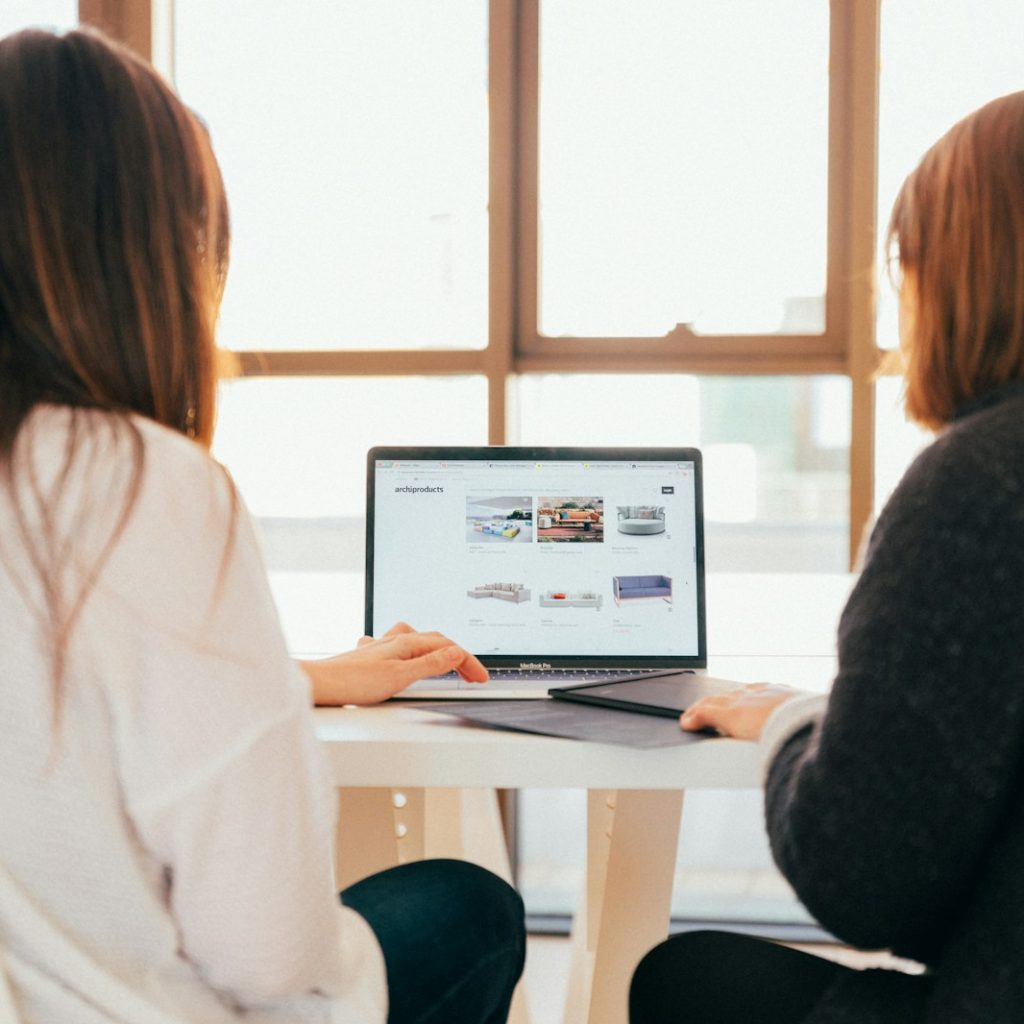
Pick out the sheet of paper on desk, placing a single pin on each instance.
(571, 721)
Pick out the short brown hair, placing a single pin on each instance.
(958, 228)
(114, 237)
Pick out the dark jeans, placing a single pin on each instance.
(723, 978)
(453, 936)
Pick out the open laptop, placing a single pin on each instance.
(553, 565)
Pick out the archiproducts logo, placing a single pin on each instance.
(407, 489)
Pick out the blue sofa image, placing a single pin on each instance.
(630, 588)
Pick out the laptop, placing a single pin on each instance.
(554, 566)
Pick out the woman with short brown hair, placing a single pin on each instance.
(957, 236)
(895, 807)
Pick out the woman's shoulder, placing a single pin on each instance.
(71, 457)
(978, 451)
(134, 507)
(966, 487)
(78, 433)
(183, 474)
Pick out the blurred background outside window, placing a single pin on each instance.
(682, 179)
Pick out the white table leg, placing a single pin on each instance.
(632, 837)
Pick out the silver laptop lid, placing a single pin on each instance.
(541, 557)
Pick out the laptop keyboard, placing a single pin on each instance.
(581, 675)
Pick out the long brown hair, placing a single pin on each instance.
(958, 229)
(113, 252)
(113, 237)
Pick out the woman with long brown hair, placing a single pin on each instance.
(165, 839)
(895, 808)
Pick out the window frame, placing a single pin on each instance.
(514, 345)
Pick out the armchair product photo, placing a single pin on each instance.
(641, 519)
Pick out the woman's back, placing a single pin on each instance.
(175, 743)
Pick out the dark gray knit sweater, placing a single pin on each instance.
(899, 819)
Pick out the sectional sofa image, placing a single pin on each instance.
(516, 593)
(641, 520)
(635, 588)
(502, 529)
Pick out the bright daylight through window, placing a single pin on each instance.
(662, 130)
(469, 222)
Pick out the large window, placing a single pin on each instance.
(469, 225)
(550, 221)
(490, 192)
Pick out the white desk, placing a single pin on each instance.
(635, 797)
(391, 745)
(443, 774)
(634, 806)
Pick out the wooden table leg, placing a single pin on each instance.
(365, 840)
(585, 924)
(632, 838)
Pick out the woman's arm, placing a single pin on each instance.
(246, 845)
(379, 668)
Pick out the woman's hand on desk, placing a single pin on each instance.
(379, 668)
(740, 713)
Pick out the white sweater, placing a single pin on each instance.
(172, 822)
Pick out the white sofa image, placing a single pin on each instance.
(563, 599)
(514, 592)
(641, 519)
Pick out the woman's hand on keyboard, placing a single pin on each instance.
(381, 667)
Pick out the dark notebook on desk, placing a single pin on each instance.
(666, 695)
(615, 711)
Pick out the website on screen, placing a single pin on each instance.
(563, 558)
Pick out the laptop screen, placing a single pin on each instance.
(541, 555)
